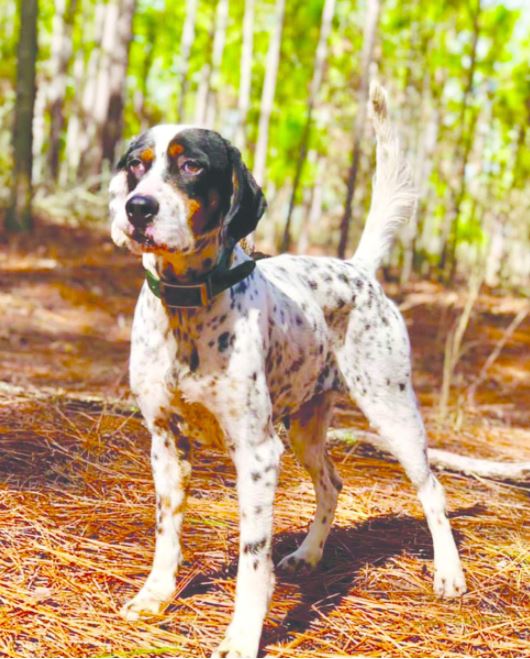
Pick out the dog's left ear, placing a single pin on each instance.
(248, 201)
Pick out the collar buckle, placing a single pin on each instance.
(196, 295)
(206, 291)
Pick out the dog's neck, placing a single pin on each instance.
(187, 323)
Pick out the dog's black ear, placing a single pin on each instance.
(122, 162)
(248, 201)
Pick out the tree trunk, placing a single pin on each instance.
(372, 18)
(72, 152)
(463, 148)
(318, 73)
(427, 238)
(188, 34)
(142, 92)
(201, 97)
(107, 90)
(314, 215)
(113, 124)
(245, 79)
(221, 18)
(269, 90)
(81, 135)
(422, 166)
(39, 130)
(61, 53)
(18, 216)
(417, 111)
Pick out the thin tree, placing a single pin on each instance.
(106, 88)
(80, 132)
(201, 96)
(314, 212)
(417, 118)
(462, 151)
(221, 19)
(113, 125)
(18, 217)
(140, 96)
(206, 100)
(245, 79)
(188, 34)
(316, 81)
(427, 127)
(370, 29)
(60, 59)
(269, 90)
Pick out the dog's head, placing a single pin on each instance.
(178, 189)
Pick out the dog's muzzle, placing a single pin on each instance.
(141, 209)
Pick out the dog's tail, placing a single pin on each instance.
(393, 194)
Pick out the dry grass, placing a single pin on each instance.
(77, 502)
(77, 535)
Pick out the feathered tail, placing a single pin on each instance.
(393, 194)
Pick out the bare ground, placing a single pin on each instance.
(77, 502)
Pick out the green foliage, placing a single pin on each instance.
(463, 109)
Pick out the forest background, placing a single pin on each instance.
(287, 82)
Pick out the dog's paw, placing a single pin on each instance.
(237, 645)
(146, 604)
(450, 583)
(299, 562)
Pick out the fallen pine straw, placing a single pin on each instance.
(76, 528)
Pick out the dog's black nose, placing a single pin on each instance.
(141, 209)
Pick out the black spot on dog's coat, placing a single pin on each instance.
(223, 341)
(254, 547)
(194, 360)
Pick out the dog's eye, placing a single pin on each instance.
(191, 167)
(136, 167)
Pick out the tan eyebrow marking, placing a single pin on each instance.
(175, 149)
(147, 154)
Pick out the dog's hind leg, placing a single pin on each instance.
(308, 436)
(380, 384)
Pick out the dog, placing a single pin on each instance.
(223, 348)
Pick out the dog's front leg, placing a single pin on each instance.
(171, 474)
(257, 463)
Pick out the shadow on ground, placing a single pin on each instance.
(348, 550)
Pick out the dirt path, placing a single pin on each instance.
(76, 499)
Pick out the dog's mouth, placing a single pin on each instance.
(142, 239)
(147, 243)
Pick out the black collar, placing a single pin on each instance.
(200, 294)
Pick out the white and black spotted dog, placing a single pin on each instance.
(224, 350)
